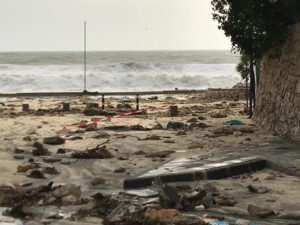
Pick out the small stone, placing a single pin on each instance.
(31, 131)
(248, 139)
(161, 154)
(192, 120)
(10, 193)
(27, 138)
(195, 144)
(51, 160)
(101, 135)
(157, 126)
(50, 170)
(237, 133)
(18, 151)
(69, 200)
(39, 149)
(259, 212)
(201, 118)
(19, 157)
(181, 132)
(98, 180)
(218, 115)
(200, 208)
(26, 166)
(169, 141)
(61, 151)
(120, 170)
(56, 140)
(36, 174)
(153, 137)
(65, 190)
(176, 125)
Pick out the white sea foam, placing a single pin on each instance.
(131, 76)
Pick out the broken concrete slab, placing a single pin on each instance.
(186, 170)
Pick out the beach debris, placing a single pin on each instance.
(234, 122)
(198, 125)
(223, 131)
(201, 118)
(195, 144)
(27, 166)
(67, 190)
(181, 132)
(176, 125)
(218, 115)
(192, 120)
(237, 133)
(36, 174)
(56, 140)
(152, 137)
(101, 135)
(50, 170)
(99, 152)
(161, 154)
(97, 180)
(120, 170)
(259, 211)
(123, 107)
(138, 127)
(39, 149)
(10, 193)
(157, 126)
(51, 160)
(91, 127)
(161, 215)
(258, 190)
(27, 138)
(19, 151)
(169, 141)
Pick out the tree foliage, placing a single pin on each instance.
(255, 26)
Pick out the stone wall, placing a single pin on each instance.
(225, 94)
(278, 92)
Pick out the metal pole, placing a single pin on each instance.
(102, 101)
(84, 56)
(137, 102)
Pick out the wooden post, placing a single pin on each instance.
(137, 102)
(173, 110)
(25, 107)
(103, 101)
(66, 107)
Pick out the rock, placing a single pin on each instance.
(69, 200)
(56, 140)
(39, 149)
(137, 127)
(192, 120)
(101, 135)
(123, 107)
(259, 212)
(157, 126)
(245, 129)
(223, 131)
(91, 127)
(27, 138)
(162, 154)
(195, 144)
(35, 173)
(19, 157)
(50, 170)
(97, 180)
(51, 160)
(63, 131)
(161, 215)
(176, 125)
(153, 137)
(27, 166)
(100, 152)
(140, 152)
(258, 190)
(74, 138)
(31, 131)
(218, 115)
(237, 133)
(66, 190)
(181, 132)
(19, 151)
(10, 193)
(120, 170)
(169, 141)
(200, 208)
(201, 118)
(61, 151)
(248, 139)
(198, 125)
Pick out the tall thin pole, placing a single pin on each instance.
(84, 55)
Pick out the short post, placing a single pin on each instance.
(25, 107)
(173, 110)
(102, 101)
(137, 102)
(66, 107)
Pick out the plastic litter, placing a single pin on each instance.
(233, 122)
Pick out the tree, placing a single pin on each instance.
(255, 26)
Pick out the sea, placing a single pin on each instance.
(117, 71)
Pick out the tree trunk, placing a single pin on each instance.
(252, 89)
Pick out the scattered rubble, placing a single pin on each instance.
(56, 140)
(100, 152)
(39, 149)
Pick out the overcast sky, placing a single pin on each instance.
(57, 25)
